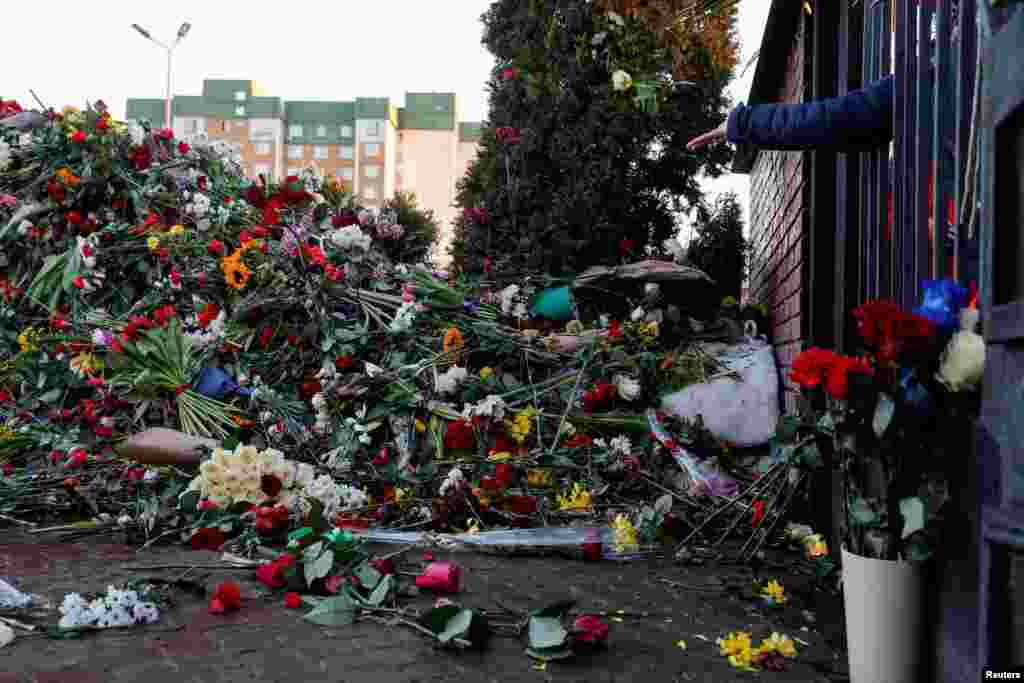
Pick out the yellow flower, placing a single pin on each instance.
(815, 547)
(486, 373)
(86, 364)
(734, 643)
(578, 499)
(498, 457)
(778, 643)
(774, 591)
(538, 478)
(67, 111)
(235, 272)
(153, 243)
(625, 534)
(744, 659)
(6, 433)
(519, 427)
(177, 230)
(28, 340)
(421, 426)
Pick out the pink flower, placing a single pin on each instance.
(292, 600)
(442, 577)
(8, 200)
(590, 629)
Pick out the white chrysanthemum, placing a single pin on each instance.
(963, 361)
(622, 445)
(621, 81)
(453, 480)
(404, 318)
(507, 297)
(448, 382)
(629, 389)
(351, 237)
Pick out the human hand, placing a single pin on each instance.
(711, 137)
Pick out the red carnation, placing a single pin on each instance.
(79, 136)
(207, 538)
(227, 598)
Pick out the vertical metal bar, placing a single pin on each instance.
(876, 160)
(869, 196)
(885, 287)
(906, 206)
(901, 69)
(942, 140)
(923, 147)
(967, 249)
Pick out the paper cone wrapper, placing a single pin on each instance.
(884, 602)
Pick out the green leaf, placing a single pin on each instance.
(51, 396)
(861, 512)
(546, 633)
(884, 412)
(913, 512)
(319, 567)
(809, 456)
(437, 619)
(457, 627)
(550, 655)
(336, 611)
(368, 576)
(381, 592)
(188, 502)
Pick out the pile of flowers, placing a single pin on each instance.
(115, 609)
(770, 654)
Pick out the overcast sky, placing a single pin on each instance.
(75, 51)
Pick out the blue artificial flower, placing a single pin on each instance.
(943, 300)
(215, 383)
(471, 306)
(915, 394)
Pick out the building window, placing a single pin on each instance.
(191, 126)
(321, 131)
(370, 193)
(296, 152)
(372, 149)
(347, 174)
(292, 170)
(372, 170)
(345, 152)
(320, 152)
(239, 111)
(295, 131)
(262, 169)
(240, 96)
(373, 129)
(346, 131)
(263, 148)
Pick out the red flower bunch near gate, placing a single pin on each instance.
(9, 108)
(822, 368)
(508, 135)
(891, 332)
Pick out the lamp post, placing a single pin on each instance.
(182, 32)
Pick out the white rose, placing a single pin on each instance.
(629, 388)
(622, 81)
(963, 362)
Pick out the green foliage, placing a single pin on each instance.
(591, 168)
(719, 248)
(421, 230)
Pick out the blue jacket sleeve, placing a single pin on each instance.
(860, 120)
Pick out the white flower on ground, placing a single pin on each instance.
(629, 389)
(448, 382)
(621, 81)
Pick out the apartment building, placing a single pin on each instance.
(374, 146)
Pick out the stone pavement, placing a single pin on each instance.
(266, 642)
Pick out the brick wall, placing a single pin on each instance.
(776, 232)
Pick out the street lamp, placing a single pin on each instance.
(182, 32)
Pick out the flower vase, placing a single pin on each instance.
(884, 603)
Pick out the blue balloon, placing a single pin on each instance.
(943, 301)
(215, 383)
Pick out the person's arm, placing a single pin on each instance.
(862, 119)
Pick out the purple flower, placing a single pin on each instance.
(102, 337)
(471, 306)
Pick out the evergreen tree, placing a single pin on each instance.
(719, 248)
(584, 159)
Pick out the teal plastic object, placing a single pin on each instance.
(554, 303)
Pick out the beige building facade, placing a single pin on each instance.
(373, 146)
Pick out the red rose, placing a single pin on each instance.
(382, 458)
(334, 584)
(227, 598)
(758, 514)
(72, 482)
(207, 538)
(459, 435)
(166, 134)
(254, 195)
(216, 247)
(812, 367)
(384, 566)
(260, 231)
(79, 282)
(73, 218)
(244, 237)
(183, 148)
(443, 577)
(271, 486)
(292, 601)
(504, 473)
(79, 136)
(838, 382)
(590, 629)
(8, 469)
(579, 441)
